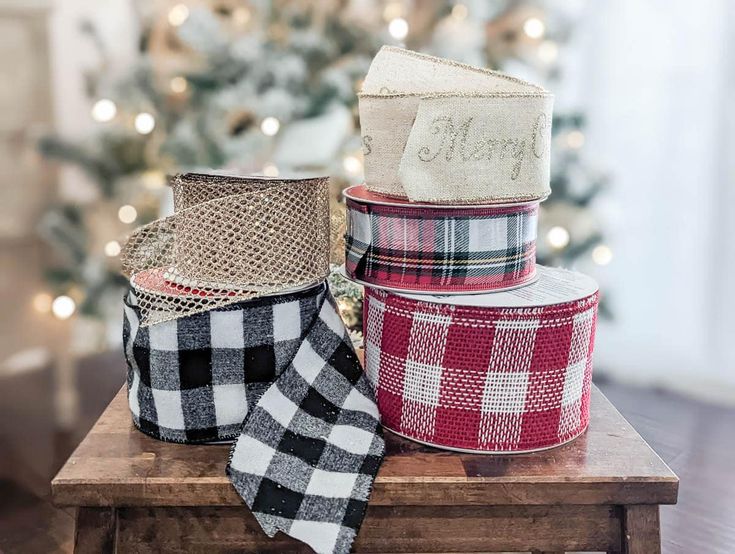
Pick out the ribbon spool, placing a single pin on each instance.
(279, 375)
(217, 363)
(496, 373)
(439, 248)
(231, 239)
(435, 130)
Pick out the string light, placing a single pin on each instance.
(343, 307)
(144, 123)
(179, 85)
(398, 28)
(178, 14)
(270, 126)
(241, 16)
(601, 254)
(127, 213)
(575, 139)
(153, 179)
(548, 51)
(104, 110)
(534, 27)
(460, 12)
(270, 170)
(42, 302)
(63, 307)
(558, 237)
(112, 249)
(352, 164)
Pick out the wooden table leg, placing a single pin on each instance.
(95, 531)
(641, 529)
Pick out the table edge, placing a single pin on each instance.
(388, 490)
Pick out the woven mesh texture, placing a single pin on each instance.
(484, 379)
(231, 239)
(477, 249)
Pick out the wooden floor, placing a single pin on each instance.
(695, 439)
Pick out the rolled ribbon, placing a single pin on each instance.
(431, 248)
(504, 372)
(436, 130)
(230, 239)
(279, 375)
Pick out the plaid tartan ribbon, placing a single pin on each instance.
(479, 378)
(443, 250)
(279, 375)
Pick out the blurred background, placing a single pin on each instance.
(100, 101)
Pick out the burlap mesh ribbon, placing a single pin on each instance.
(230, 239)
(435, 130)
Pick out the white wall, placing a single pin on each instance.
(658, 77)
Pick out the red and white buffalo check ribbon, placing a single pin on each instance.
(489, 379)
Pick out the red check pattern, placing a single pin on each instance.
(485, 379)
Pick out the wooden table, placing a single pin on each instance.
(600, 492)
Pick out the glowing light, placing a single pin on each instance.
(548, 51)
(352, 165)
(42, 302)
(127, 213)
(112, 249)
(63, 307)
(144, 123)
(575, 139)
(178, 14)
(270, 126)
(270, 170)
(241, 16)
(602, 255)
(398, 28)
(153, 179)
(179, 85)
(534, 27)
(104, 110)
(460, 12)
(343, 306)
(558, 237)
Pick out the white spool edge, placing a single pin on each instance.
(429, 296)
(553, 286)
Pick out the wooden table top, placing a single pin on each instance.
(116, 465)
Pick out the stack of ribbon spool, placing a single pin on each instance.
(230, 334)
(468, 343)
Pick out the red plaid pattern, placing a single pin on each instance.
(463, 249)
(485, 379)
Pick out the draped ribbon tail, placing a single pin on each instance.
(310, 448)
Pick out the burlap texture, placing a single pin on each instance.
(440, 131)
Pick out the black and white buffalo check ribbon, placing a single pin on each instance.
(280, 376)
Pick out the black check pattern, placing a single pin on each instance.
(311, 447)
(280, 375)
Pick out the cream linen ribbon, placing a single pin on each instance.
(436, 130)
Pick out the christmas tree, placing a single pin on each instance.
(270, 87)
